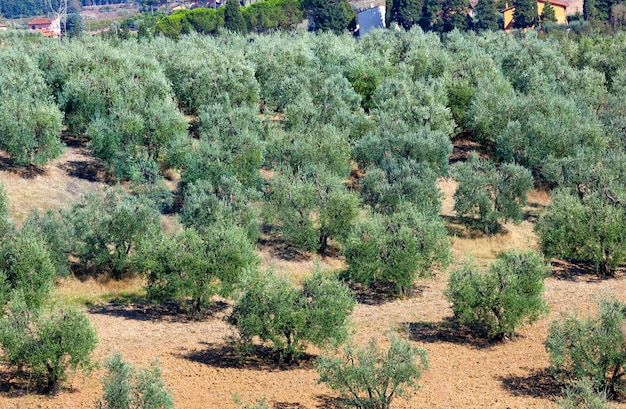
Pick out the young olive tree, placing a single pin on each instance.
(44, 347)
(312, 208)
(589, 228)
(396, 249)
(591, 348)
(488, 194)
(110, 227)
(193, 267)
(125, 388)
(499, 300)
(287, 317)
(369, 377)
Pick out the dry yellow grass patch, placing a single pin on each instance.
(297, 267)
(484, 248)
(97, 289)
(52, 188)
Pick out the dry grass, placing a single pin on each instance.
(100, 289)
(55, 186)
(483, 248)
(194, 355)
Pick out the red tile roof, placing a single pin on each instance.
(38, 21)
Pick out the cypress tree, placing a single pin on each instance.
(487, 15)
(525, 14)
(391, 12)
(430, 20)
(454, 15)
(409, 12)
(547, 14)
(233, 20)
(589, 10)
(333, 15)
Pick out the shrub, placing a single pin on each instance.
(369, 377)
(487, 194)
(110, 227)
(588, 228)
(285, 316)
(193, 267)
(25, 265)
(590, 348)
(497, 301)
(581, 395)
(45, 347)
(124, 388)
(396, 249)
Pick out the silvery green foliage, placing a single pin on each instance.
(488, 195)
(45, 347)
(125, 388)
(590, 348)
(30, 121)
(370, 377)
(497, 301)
(110, 227)
(395, 249)
(287, 317)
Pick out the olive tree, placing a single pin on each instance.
(590, 348)
(396, 249)
(125, 388)
(310, 209)
(110, 227)
(191, 267)
(26, 267)
(591, 228)
(497, 301)
(287, 317)
(45, 347)
(488, 194)
(30, 121)
(370, 377)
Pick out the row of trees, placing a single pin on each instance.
(334, 145)
(388, 111)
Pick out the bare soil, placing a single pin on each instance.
(203, 372)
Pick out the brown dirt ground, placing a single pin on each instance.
(202, 372)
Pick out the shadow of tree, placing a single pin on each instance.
(260, 358)
(378, 293)
(89, 170)
(329, 402)
(539, 384)
(463, 145)
(27, 172)
(447, 331)
(469, 228)
(533, 212)
(279, 248)
(577, 271)
(145, 311)
(15, 384)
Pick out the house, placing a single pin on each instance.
(4, 27)
(46, 26)
(371, 19)
(560, 9)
